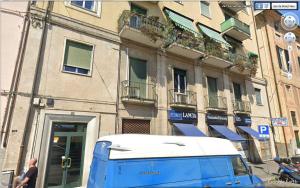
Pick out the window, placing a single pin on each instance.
(258, 96)
(238, 166)
(287, 58)
(227, 16)
(279, 56)
(136, 20)
(237, 92)
(205, 8)
(277, 25)
(299, 61)
(213, 100)
(294, 119)
(137, 77)
(297, 138)
(78, 57)
(179, 80)
(87, 5)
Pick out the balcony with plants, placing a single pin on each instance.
(245, 64)
(233, 6)
(138, 93)
(184, 99)
(214, 102)
(236, 29)
(142, 29)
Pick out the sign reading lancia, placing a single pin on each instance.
(174, 115)
(279, 122)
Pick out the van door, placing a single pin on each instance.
(215, 172)
(240, 173)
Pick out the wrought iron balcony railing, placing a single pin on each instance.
(183, 98)
(242, 106)
(138, 91)
(215, 102)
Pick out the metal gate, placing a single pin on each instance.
(135, 126)
(265, 150)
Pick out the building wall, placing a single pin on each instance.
(281, 100)
(96, 100)
(12, 17)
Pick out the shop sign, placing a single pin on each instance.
(242, 120)
(174, 115)
(279, 121)
(216, 118)
(264, 131)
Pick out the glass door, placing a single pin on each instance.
(66, 156)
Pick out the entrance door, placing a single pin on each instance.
(212, 92)
(66, 155)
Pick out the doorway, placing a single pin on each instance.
(66, 155)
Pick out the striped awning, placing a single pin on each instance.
(213, 35)
(180, 21)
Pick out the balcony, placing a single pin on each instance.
(138, 93)
(185, 43)
(242, 106)
(141, 29)
(215, 103)
(185, 99)
(234, 6)
(236, 29)
(245, 65)
(217, 55)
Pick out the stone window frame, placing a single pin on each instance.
(97, 11)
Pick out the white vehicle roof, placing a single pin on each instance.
(128, 146)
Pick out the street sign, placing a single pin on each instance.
(264, 131)
(279, 121)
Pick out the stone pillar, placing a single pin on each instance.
(227, 94)
(162, 126)
(200, 97)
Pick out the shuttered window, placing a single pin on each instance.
(139, 10)
(287, 58)
(258, 96)
(78, 57)
(205, 8)
(279, 56)
(294, 119)
(135, 126)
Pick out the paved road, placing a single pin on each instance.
(268, 173)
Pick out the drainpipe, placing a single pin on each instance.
(118, 94)
(276, 87)
(262, 74)
(34, 86)
(15, 79)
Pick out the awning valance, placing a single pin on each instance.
(213, 35)
(251, 132)
(188, 129)
(181, 21)
(227, 133)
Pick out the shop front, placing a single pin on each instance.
(243, 124)
(184, 123)
(217, 121)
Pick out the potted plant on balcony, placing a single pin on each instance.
(152, 28)
(252, 64)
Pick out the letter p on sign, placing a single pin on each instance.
(264, 131)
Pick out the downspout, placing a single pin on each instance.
(276, 86)
(34, 86)
(118, 94)
(262, 74)
(15, 79)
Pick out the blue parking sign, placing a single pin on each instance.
(264, 131)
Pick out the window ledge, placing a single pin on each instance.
(209, 17)
(79, 74)
(259, 104)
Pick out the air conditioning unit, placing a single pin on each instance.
(180, 98)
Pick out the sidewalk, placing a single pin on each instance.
(266, 171)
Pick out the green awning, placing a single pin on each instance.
(181, 21)
(214, 35)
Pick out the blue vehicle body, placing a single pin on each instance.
(202, 171)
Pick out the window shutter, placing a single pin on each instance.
(205, 8)
(78, 55)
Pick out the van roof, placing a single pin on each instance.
(127, 146)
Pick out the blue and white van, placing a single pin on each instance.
(168, 161)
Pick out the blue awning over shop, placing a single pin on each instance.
(251, 132)
(188, 129)
(229, 134)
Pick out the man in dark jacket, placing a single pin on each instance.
(30, 176)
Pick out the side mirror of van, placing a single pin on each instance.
(250, 170)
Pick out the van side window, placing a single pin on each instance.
(238, 166)
(215, 167)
